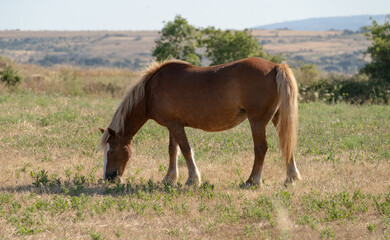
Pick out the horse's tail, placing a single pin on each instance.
(287, 122)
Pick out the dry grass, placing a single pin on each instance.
(311, 42)
(72, 80)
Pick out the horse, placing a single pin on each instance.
(176, 95)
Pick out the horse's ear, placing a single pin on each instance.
(111, 132)
(101, 130)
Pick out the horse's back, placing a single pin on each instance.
(211, 98)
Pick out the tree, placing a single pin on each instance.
(178, 40)
(182, 41)
(227, 46)
(379, 68)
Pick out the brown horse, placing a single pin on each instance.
(176, 94)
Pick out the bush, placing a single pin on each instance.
(356, 90)
(306, 73)
(10, 77)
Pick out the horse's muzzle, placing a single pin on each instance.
(112, 176)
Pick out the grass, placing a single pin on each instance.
(51, 184)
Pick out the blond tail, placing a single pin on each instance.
(287, 125)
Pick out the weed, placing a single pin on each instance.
(118, 233)
(95, 235)
(59, 205)
(327, 233)
(383, 207)
(22, 169)
(249, 230)
(42, 204)
(151, 186)
(65, 190)
(227, 213)
(27, 223)
(55, 180)
(79, 203)
(309, 220)
(138, 207)
(118, 188)
(122, 204)
(68, 173)
(41, 178)
(207, 190)
(15, 207)
(173, 231)
(107, 203)
(168, 188)
(5, 198)
(371, 227)
(158, 209)
(78, 181)
(162, 168)
(202, 207)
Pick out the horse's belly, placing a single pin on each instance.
(214, 121)
(206, 118)
(213, 126)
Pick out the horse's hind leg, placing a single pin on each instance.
(173, 171)
(293, 174)
(177, 131)
(292, 170)
(260, 149)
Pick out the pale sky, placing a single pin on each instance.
(150, 14)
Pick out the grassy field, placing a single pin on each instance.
(51, 170)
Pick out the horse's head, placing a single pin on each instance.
(116, 155)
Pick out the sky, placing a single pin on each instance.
(151, 14)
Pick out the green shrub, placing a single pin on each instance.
(354, 89)
(10, 77)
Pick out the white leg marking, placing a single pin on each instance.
(195, 172)
(257, 177)
(105, 159)
(292, 173)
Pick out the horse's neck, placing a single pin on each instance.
(135, 119)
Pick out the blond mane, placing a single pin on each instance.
(132, 97)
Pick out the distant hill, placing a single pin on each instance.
(352, 23)
(331, 51)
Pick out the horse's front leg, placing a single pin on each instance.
(173, 171)
(177, 131)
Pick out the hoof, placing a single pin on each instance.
(251, 183)
(193, 181)
(292, 180)
(170, 179)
